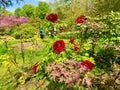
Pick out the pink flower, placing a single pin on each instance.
(11, 21)
(14, 18)
(54, 75)
(23, 20)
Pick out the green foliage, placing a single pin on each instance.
(98, 39)
(3, 11)
(106, 6)
(68, 35)
(42, 10)
(48, 26)
(26, 30)
(110, 30)
(70, 9)
(18, 12)
(31, 11)
(28, 10)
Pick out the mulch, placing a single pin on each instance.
(27, 46)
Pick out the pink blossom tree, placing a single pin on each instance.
(6, 21)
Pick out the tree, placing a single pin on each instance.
(7, 3)
(59, 7)
(3, 11)
(106, 6)
(42, 10)
(18, 12)
(6, 22)
(28, 10)
(68, 10)
(93, 7)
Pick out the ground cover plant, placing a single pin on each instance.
(43, 53)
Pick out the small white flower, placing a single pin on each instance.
(49, 33)
(55, 29)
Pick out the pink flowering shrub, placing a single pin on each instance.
(69, 72)
(6, 21)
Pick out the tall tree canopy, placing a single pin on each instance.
(92, 7)
(42, 10)
(106, 6)
(3, 11)
(29, 10)
(18, 12)
(7, 3)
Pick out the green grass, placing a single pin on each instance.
(31, 57)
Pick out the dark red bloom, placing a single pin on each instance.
(86, 65)
(34, 69)
(72, 41)
(61, 29)
(76, 48)
(80, 19)
(52, 17)
(58, 46)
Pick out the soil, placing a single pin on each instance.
(27, 46)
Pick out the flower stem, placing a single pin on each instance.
(22, 53)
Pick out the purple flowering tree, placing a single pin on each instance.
(6, 21)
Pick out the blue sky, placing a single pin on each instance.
(33, 2)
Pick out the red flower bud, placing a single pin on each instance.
(76, 48)
(35, 68)
(61, 29)
(72, 41)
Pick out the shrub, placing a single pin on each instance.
(25, 30)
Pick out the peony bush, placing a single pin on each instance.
(71, 63)
(61, 65)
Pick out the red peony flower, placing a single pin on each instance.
(86, 65)
(80, 19)
(52, 17)
(58, 46)
(35, 68)
(72, 41)
(76, 48)
(61, 29)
